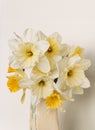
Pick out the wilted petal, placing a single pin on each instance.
(44, 65)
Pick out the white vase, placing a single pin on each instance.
(43, 119)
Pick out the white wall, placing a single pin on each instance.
(75, 20)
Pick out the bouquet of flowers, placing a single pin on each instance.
(51, 70)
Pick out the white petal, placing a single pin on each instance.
(13, 44)
(65, 50)
(57, 58)
(41, 36)
(18, 37)
(70, 93)
(85, 84)
(13, 63)
(44, 65)
(30, 35)
(57, 36)
(54, 74)
(74, 60)
(62, 65)
(60, 82)
(85, 64)
(80, 91)
(25, 83)
(56, 87)
(42, 45)
(28, 72)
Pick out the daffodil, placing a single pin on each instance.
(54, 100)
(42, 87)
(51, 70)
(13, 83)
(70, 51)
(54, 43)
(53, 53)
(14, 77)
(72, 72)
(28, 52)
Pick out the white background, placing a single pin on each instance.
(75, 21)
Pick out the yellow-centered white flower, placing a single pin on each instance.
(71, 71)
(41, 86)
(28, 52)
(70, 51)
(53, 53)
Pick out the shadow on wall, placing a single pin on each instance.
(79, 114)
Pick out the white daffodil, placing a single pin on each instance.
(51, 70)
(42, 86)
(70, 51)
(53, 53)
(71, 73)
(28, 52)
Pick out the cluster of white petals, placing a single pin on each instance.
(45, 65)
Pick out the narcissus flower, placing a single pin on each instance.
(42, 87)
(54, 100)
(13, 83)
(53, 53)
(28, 53)
(51, 70)
(72, 72)
(71, 51)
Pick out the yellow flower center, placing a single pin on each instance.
(13, 84)
(49, 50)
(29, 53)
(70, 73)
(42, 83)
(54, 100)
